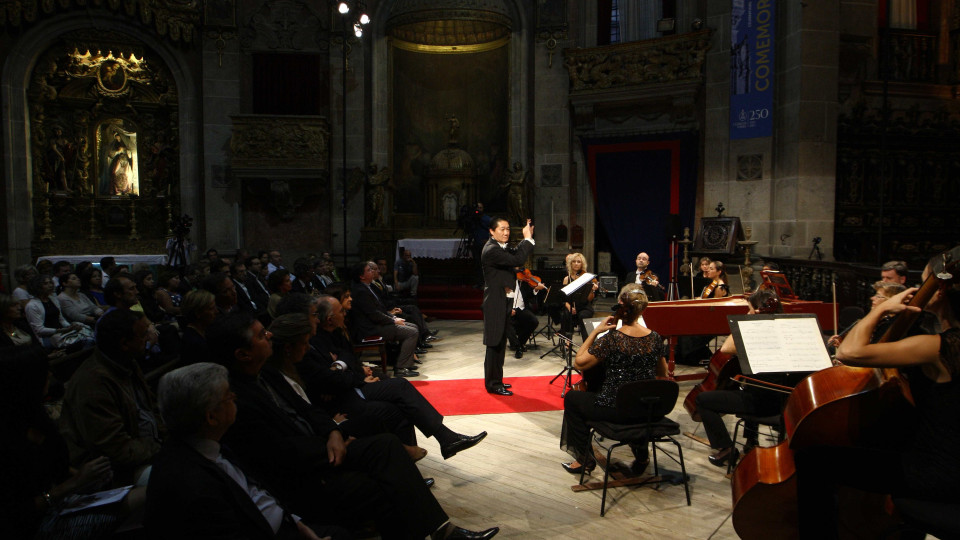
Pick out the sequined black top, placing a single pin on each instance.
(626, 359)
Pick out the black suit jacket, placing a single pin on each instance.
(368, 313)
(190, 497)
(245, 300)
(258, 292)
(498, 274)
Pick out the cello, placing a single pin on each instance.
(837, 406)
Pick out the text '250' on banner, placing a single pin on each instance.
(751, 68)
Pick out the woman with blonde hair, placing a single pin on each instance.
(575, 312)
(630, 353)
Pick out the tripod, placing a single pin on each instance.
(566, 345)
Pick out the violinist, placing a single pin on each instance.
(717, 288)
(926, 466)
(749, 400)
(523, 320)
(575, 313)
(700, 280)
(643, 275)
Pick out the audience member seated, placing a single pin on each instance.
(632, 353)
(371, 318)
(91, 284)
(77, 307)
(304, 280)
(322, 274)
(409, 311)
(108, 409)
(224, 291)
(406, 275)
(245, 302)
(147, 296)
(256, 282)
(47, 321)
(35, 473)
(108, 268)
(16, 329)
(199, 489)
(198, 311)
(278, 283)
(23, 275)
(60, 270)
(300, 452)
(355, 389)
(574, 314)
(168, 293)
(274, 261)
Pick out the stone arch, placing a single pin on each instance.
(14, 80)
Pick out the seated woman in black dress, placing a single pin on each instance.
(717, 288)
(632, 353)
(574, 313)
(927, 466)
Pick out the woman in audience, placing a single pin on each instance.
(44, 314)
(278, 283)
(198, 311)
(91, 284)
(168, 296)
(77, 307)
(632, 353)
(718, 281)
(341, 291)
(23, 275)
(16, 331)
(147, 295)
(576, 312)
(35, 473)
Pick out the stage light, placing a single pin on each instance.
(358, 30)
(364, 19)
(343, 8)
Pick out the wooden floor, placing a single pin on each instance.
(513, 478)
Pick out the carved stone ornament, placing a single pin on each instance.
(175, 19)
(285, 26)
(668, 59)
(288, 142)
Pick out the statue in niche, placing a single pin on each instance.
(515, 183)
(378, 182)
(450, 206)
(59, 149)
(118, 162)
(81, 174)
(454, 129)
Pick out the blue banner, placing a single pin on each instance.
(752, 33)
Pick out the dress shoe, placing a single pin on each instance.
(429, 482)
(518, 354)
(430, 337)
(406, 372)
(415, 452)
(505, 385)
(590, 466)
(727, 455)
(420, 351)
(500, 391)
(425, 345)
(461, 443)
(433, 333)
(463, 534)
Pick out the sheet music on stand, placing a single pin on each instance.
(779, 343)
(575, 289)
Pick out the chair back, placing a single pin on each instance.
(650, 399)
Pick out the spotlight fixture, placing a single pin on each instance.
(357, 30)
(364, 19)
(343, 8)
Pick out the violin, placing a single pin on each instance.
(649, 278)
(526, 276)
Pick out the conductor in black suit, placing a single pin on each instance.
(499, 276)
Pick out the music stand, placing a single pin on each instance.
(567, 344)
(554, 298)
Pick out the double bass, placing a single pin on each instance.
(837, 406)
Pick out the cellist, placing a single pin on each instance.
(928, 465)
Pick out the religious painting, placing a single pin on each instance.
(428, 90)
(111, 76)
(117, 160)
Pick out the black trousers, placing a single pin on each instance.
(712, 405)
(493, 363)
(569, 320)
(405, 397)
(522, 326)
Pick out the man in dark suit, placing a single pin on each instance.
(198, 489)
(649, 280)
(256, 283)
(301, 453)
(245, 302)
(370, 317)
(499, 276)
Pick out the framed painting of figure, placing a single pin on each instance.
(118, 171)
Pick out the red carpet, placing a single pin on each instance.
(468, 396)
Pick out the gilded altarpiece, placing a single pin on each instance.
(898, 182)
(104, 145)
(428, 91)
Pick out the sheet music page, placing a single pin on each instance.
(782, 344)
(577, 283)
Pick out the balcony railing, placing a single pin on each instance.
(908, 56)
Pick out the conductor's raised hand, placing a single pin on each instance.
(528, 229)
